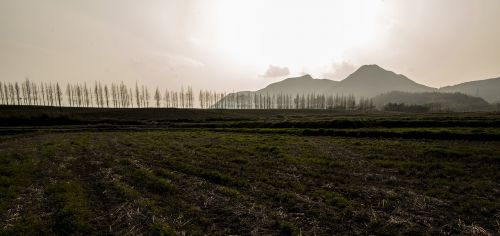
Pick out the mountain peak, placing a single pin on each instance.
(299, 85)
(370, 68)
(371, 80)
(306, 76)
(372, 72)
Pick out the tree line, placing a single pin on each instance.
(116, 95)
(402, 107)
(119, 95)
(294, 101)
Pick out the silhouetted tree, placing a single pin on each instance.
(18, 96)
(137, 95)
(68, 94)
(157, 97)
(106, 94)
(43, 94)
(114, 95)
(1, 93)
(34, 89)
(58, 94)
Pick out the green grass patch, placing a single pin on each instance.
(71, 213)
(142, 177)
(332, 198)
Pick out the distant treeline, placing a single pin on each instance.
(119, 95)
(297, 101)
(402, 107)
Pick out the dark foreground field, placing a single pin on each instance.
(288, 173)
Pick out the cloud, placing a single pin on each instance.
(340, 71)
(276, 71)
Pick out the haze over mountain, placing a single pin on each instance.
(299, 85)
(372, 81)
(367, 81)
(489, 89)
(453, 101)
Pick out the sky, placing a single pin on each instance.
(234, 45)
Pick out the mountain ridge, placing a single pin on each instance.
(302, 84)
(488, 89)
(370, 81)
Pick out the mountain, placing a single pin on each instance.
(292, 86)
(452, 101)
(488, 89)
(298, 85)
(372, 80)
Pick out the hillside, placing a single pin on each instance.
(372, 80)
(299, 85)
(453, 101)
(488, 89)
(367, 81)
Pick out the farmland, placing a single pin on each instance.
(247, 172)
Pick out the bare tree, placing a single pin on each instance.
(12, 94)
(106, 94)
(201, 99)
(166, 97)
(190, 96)
(146, 97)
(44, 94)
(86, 95)
(143, 97)
(91, 96)
(51, 94)
(79, 95)
(182, 97)
(58, 94)
(157, 97)
(96, 94)
(5, 92)
(131, 98)
(101, 95)
(18, 96)
(175, 99)
(68, 94)
(34, 88)
(113, 94)
(123, 95)
(29, 91)
(1, 93)
(23, 93)
(137, 95)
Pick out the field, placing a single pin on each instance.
(247, 172)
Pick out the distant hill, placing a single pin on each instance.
(372, 80)
(367, 81)
(299, 85)
(488, 89)
(453, 101)
(292, 86)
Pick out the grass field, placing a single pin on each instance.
(197, 172)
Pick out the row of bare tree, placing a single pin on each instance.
(290, 101)
(97, 95)
(119, 95)
(30, 93)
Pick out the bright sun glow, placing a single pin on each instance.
(297, 34)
